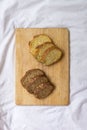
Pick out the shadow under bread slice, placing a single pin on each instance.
(43, 90)
(30, 76)
(38, 40)
(51, 55)
(42, 48)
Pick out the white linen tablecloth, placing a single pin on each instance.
(44, 13)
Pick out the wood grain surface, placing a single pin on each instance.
(57, 73)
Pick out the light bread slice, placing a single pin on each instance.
(38, 40)
(46, 53)
(41, 49)
(52, 55)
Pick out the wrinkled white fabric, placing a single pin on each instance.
(44, 13)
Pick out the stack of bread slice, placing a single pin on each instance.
(44, 50)
(36, 82)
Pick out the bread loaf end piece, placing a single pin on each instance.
(41, 50)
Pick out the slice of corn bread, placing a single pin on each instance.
(38, 40)
(52, 56)
(44, 49)
(41, 49)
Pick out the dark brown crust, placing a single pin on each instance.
(30, 71)
(43, 90)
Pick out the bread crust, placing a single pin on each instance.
(43, 35)
(45, 43)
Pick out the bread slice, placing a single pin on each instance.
(36, 82)
(38, 40)
(52, 55)
(46, 53)
(30, 76)
(39, 80)
(43, 90)
(42, 48)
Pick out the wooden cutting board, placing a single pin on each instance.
(58, 73)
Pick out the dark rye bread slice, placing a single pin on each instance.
(43, 90)
(36, 82)
(39, 80)
(30, 76)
